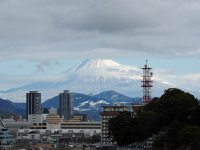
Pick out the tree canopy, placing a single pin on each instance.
(174, 113)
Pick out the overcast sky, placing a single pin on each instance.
(40, 37)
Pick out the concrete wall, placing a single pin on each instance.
(34, 118)
(53, 126)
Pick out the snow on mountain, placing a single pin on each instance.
(90, 65)
(97, 70)
(91, 105)
(83, 104)
(99, 102)
(90, 76)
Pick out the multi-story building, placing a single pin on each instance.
(80, 125)
(79, 118)
(135, 108)
(54, 121)
(66, 105)
(90, 128)
(48, 111)
(5, 139)
(108, 113)
(55, 124)
(33, 107)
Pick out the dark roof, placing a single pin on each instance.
(109, 113)
(116, 106)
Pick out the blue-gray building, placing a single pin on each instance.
(6, 139)
(66, 105)
(33, 107)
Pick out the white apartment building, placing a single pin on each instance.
(108, 113)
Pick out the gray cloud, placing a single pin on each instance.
(93, 28)
(43, 65)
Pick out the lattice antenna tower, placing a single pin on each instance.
(147, 83)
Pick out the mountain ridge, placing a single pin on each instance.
(91, 105)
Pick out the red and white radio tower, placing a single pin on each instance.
(147, 83)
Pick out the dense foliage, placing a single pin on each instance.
(176, 113)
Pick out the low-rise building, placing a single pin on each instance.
(15, 125)
(90, 128)
(79, 118)
(54, 121)
(38, 126)
(136, 108)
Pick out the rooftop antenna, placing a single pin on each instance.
(147, 83)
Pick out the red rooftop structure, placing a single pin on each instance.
(147, 83)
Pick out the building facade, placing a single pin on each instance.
(6, 139)
(86, 128)
(66, 105)
(33, 107)
(79, 118)
(108, 113)
(135, 108)
(54, 121)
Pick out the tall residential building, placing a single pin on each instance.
(108, 113)
(66, 105)
(33, 107)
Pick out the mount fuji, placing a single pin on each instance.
(90, 76)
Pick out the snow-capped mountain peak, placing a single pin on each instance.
(100, 64)
(96, 63)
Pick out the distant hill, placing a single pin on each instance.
(82, 104)
(80, 100)
(92, 105)
(113, 96)
(87, 104)
(7, 106)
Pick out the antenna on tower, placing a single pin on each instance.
(147, 83)
(146, 64)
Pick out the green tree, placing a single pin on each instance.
(170, 113)
(195, 116)
(174, 104)
(188, 138)
(146, 124)
(121, 128)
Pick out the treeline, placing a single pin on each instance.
(176, 114)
